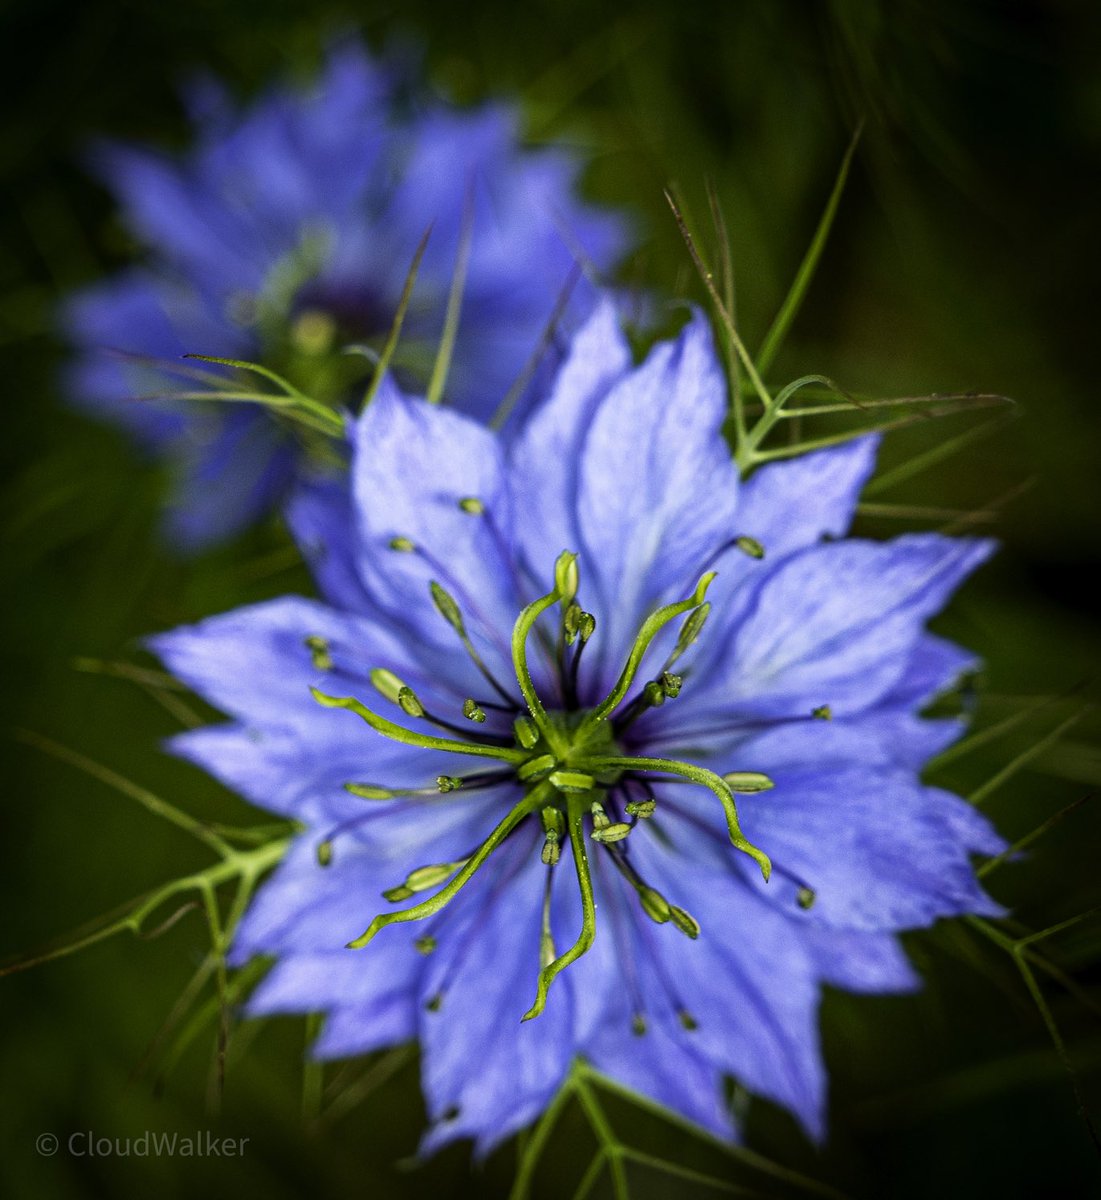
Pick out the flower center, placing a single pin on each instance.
(568, 762)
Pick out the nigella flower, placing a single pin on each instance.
(286, 234)
(598, 750)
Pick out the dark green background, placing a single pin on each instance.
(965, 256)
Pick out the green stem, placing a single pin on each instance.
(147, 799)
(794, 299)
(535, 1146)
(399, 319)
(436, 384)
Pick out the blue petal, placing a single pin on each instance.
(833, 624)
(322, 519)
(662, 1066)
(880, 851)
(369, 998)
(254, 663)
(545, 459)
(413, 465)
(935, 666)
(657, 490)
(749, 982)
(791, 504)
(860, 962)
(880, 737)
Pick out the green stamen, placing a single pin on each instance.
(651, 627)
(408, 702)
(407, 737)
(554, 825)
(567, 578)
(611, 833)
(444, 896)
(387, 684)
(319, 653)
(526, 733)
(524, 624)
(572, 781)
(654, 904)
(705, 778)
(588, 915)
(689, 633)
(685, 922)
(449, 609)
(747, 782)
(671, 684)
(536, 766)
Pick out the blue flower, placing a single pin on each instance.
(285, 234)
(590, 762)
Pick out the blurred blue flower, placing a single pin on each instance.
(287, 233)
(607, 739)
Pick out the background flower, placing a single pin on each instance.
(628, 466)
(286, 233)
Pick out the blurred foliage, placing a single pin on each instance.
(963, 257)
